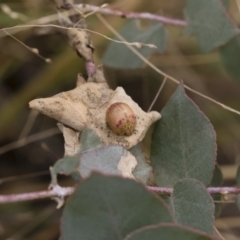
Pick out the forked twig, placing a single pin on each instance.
(29, 139)
(146, 61)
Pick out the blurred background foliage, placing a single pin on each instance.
(24, 76)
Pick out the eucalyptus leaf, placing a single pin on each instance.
(230, 55)
(168, 232)
(119, 56)
(209, 22)
(69, 165)
(89, 140)
(66, 166)
(193, 205)
(143, 170)
(110, 207)
(183, 144)
(103, 159)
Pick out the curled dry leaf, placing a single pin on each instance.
(81, 41)
(85, 107)
(71, 140)
(127, 164)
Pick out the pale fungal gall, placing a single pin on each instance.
(121, 119)
(85, 107)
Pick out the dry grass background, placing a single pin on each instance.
(24, 76)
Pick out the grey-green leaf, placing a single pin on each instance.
(66, 166)
(110, 207)
(210, 23)
(230, 57)
(168, 232)
(183, 144)
(120, 56)
(193, 205)
(89, 140)
(143, 170)
(103, 159)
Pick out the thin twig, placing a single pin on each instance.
(135, 15)
(146, 61)
(27, 26)
(38, 218)
(39, 21)
(42, 20)
(157, 95)
(32, 138)
(29, 123)
(25, 176)
(14, 15)
(79, 40)
(33, 50)
(66, 191)
(218, 233)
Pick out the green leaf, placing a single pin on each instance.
(238, 176)
(184, 143)
(120, 56)
(168, 232)
(89, 140)
(110, 207)
(193, 205)
(230, 57)
(66, 166)
(143, 170)
(210, 23)
(217, 182)
(103, 159)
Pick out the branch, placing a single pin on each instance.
(29, 139)
(61, 192)
(211, 190)
(66, 191)
(135, 15)
(78, 38)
